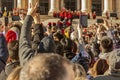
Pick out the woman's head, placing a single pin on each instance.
(100, 67)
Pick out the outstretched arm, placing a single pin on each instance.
(25, 50)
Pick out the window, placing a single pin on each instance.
(9, 4)
(97, 7)
(44, 6)
(70, 4)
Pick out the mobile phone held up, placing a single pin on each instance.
(84, 21)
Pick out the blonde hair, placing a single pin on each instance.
(79, 71)
(15, 74)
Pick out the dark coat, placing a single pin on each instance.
(25, 49)
(3, 52)
(38, 36)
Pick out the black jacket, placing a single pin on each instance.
(3, 52)
(38, 36)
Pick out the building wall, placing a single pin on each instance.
(118, 7)
(9, 4)
(114, 5)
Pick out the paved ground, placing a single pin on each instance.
(45, 19)
(75, 21)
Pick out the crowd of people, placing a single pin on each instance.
(31, 51)
(66, 16)
(72, 14)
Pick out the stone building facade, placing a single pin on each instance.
(49, 6)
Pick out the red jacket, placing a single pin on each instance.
(68, 23)
(65, 14)
(61, 14)
(69, 15)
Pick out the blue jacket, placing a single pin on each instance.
(82, 58)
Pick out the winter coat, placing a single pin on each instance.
(3, 52)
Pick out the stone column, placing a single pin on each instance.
(118, 7)
(62, 4)
(15, 3)
(114, 5)
(102, 5)
(58, 5)
(89, 6)
(53, 6)
(78, 5)
(106, 6)
(0, 5)
(111, 5)
(84, 6)
(25, 4)
(30, 2)
(19, 3)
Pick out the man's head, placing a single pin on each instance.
(106, 44)
(13, 49)
(47, 67)
(47, 45)
(14, 32)
(57, 36)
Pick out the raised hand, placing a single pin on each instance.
(33, 9)
(37, 18)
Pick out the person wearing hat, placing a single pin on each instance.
(13, 33)
(113, 72)
(13, 60)
(106, 46)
